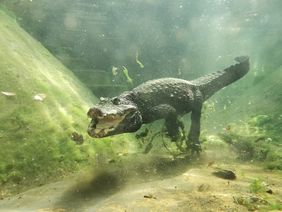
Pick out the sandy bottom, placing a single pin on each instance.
(161, 185)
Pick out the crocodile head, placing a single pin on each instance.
(113, 116)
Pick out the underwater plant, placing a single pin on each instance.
(258, 186)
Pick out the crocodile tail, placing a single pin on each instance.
(211, 83)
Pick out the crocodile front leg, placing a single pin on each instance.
(173, 125)
(167, 112)
(193, 141)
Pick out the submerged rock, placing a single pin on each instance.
(225, 174)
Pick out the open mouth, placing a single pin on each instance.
(102, 126)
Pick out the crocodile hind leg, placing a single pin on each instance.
(193, 141)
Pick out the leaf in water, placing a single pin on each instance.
(138, 61)
(150, 196)
(114, 70)
(125, 72)
(7, 93)
(39, 97)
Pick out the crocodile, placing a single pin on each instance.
(164, 98)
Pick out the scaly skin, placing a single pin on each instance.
(164, 98)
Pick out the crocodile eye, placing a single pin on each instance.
(116, 101)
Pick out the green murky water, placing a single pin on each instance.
(57, 58)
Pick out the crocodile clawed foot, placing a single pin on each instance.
(194, 147)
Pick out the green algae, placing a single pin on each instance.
(35, 136)
(258, 139)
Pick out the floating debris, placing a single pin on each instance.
(150, 196)
(225, 174)
(268, 140)
(138, 61)
(7, 93)
(77, 138)
(122, 154)
(114, 70)
(125, 72)
(39, 97)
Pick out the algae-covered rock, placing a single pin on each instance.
(258, 139)
(260, 120)
(41, 105)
